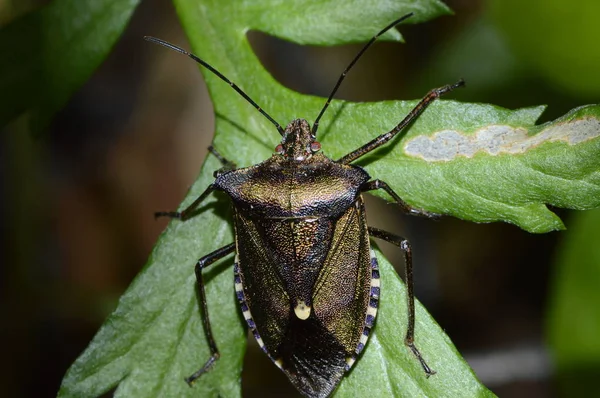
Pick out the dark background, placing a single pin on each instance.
(77, 204)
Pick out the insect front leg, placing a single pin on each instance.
(214, 352)
(404, 245)
(378, 184)
(408, 119)
(228, 165)
(188, 211)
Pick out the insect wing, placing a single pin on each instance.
(259, 287)
(313, 352)
(342, 292)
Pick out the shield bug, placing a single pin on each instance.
(305, 276)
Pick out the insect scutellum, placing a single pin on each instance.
(300, 230)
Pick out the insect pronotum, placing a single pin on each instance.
(305, 275)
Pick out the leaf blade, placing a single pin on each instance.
(240, 130)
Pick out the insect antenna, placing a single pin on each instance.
(343, 75)
(218, 74)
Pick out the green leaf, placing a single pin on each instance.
(49, 53)
(155, 337)
(573, 323)
(483, 163)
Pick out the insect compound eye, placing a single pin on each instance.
(279, 149)
(315, 146)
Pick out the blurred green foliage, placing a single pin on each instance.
(557, 39)
(573, 324)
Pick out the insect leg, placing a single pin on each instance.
(228, 164)
(214, 352)
(404, 245)
(412, 115)
(378, 184)
(187, 212)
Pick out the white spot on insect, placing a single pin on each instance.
(260, 342)
(404, 245)
(279, 363)
(375, 282)
(446, 145)
(363, 339)
(247, 315)
(349, 362)
(239, 287)
(302, 310)
(372, 311)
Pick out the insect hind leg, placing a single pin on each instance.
(404, 245)
(214, 351)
